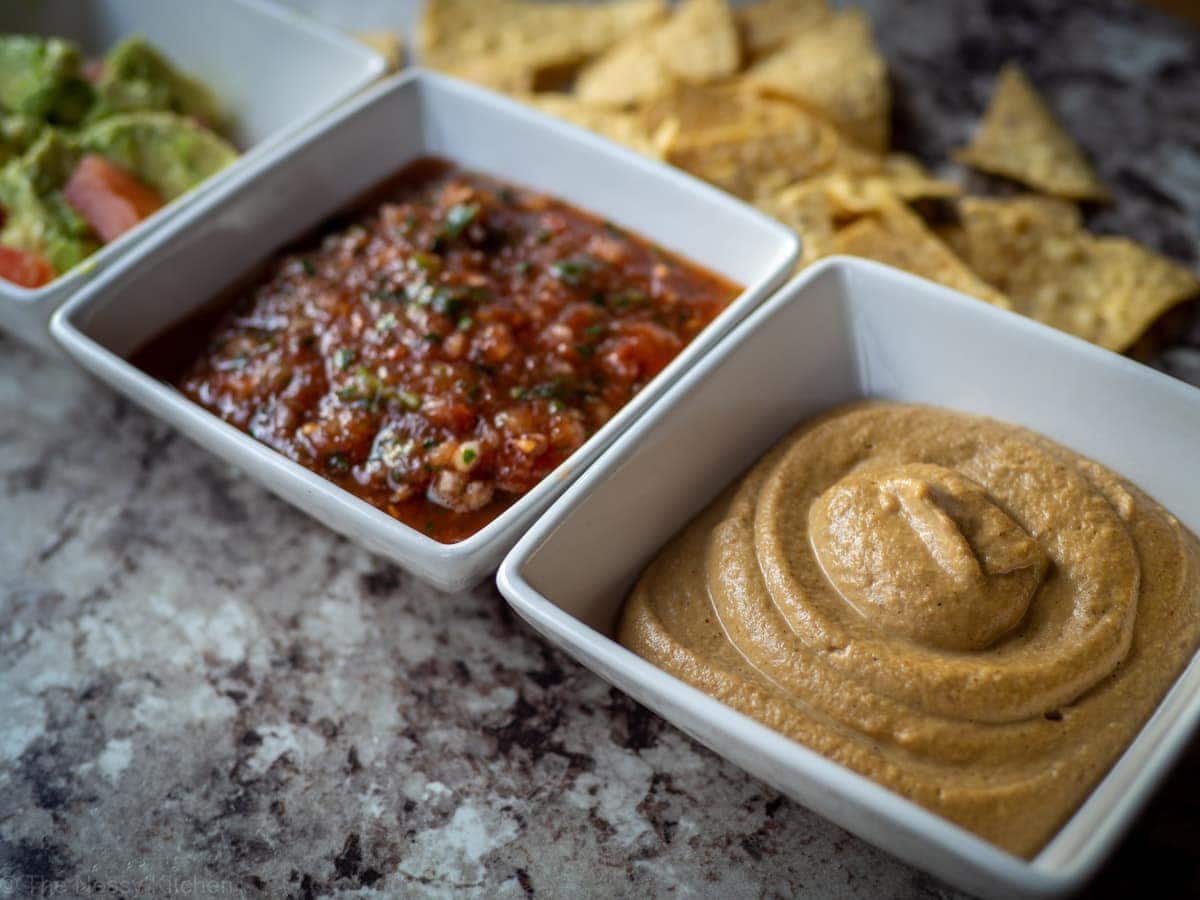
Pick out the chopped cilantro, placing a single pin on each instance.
(411, 401)
(387, 295)
(427, 262)
(429, 443)
(344, 358)
(433, 337)
(507, 196)
(518, 393)
(523, 267)
(628, 298)
(458, 218)
(465, 322)
(585, 350)
(594, 330)
(448, 301)
(385, 322)
(307, 265)
(549, 389)
(573, 271)
(469, 455)
(337, 462)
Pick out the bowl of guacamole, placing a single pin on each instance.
(89, 148)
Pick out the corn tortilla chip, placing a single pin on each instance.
(509, 41)
(764, 149)
(1002, 235)
(805, 208)
(388, 44)
(748, 144)
(900, 179)
(769, 24)
(1020, 139)
(630, 72)
(616, 125)
(700, 108)
(700, 42)
(897, 236)
(1107, 290)
(835, 70)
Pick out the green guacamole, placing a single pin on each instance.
(142, 114)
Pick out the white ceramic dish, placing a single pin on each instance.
(208, 246)
(275, 71)
(844, 330)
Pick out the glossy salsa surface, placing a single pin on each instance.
(445, 346)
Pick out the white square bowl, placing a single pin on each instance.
(191, 260)
(274, 70)
(844, 330)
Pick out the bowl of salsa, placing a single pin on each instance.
(429, 314)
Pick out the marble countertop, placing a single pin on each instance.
(203, 692)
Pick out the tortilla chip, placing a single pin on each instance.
(954, 236)
(630, 72)
(805, 208)
(502, 42)
(700, 42)
(900, 179)
(1004, 236)
(750, 164)
(897, 236)
(769, 24)
(497, 73)
(748, 144)
(699, 108)
(388, 44)
(759, 150)
(616, 125)
(913, 181)
(1020, 139)
(835, 70)
(1106, 290)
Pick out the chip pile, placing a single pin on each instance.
(787, 104)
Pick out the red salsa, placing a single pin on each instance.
(442, 349)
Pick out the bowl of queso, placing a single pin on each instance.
(945, 600)
(431, 340)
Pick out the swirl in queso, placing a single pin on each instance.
(962, 610)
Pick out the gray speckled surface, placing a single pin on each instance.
(204, 693)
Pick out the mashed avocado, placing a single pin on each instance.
(38, 218)
(17, 134)
(167, 152)
(41, 77)
(138, 78)
(140, 113)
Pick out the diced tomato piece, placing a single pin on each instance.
(93, 70)
(641, 350)
(110, 199)
(24, 267)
